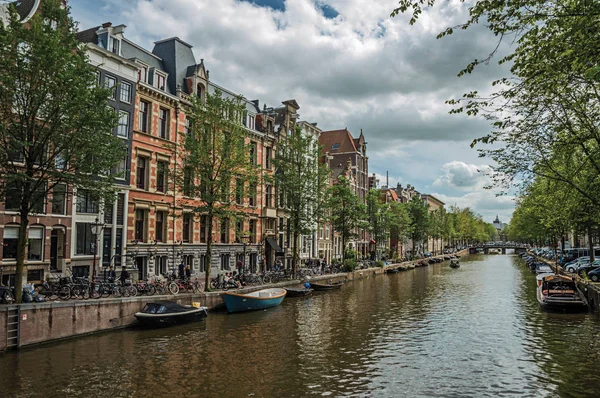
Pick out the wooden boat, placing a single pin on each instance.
(258, 300)
(559, 292)
(321, 287)
(454, 263)
(392, 271)
(166, 313)
(298, 292)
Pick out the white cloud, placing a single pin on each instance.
(463, 176)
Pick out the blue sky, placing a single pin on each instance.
(348, 64)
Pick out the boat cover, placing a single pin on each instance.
(164, 307)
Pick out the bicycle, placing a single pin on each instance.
(53, 291)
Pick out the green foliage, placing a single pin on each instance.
(346, 212)
(215, 156)
(302, 180)
(399, 222)
(380, 263)
(350, 265)
(55, 123)
(419, 220)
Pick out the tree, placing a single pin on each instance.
(217, 164)
(377, 217)
(302, 180)
(419, 221)
(55, 123)
(399, 222)
(346, 212)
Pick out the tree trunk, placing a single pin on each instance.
(209, 220)
(295, 255)
(21, 248)
(590, 243)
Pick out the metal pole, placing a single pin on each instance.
(244, 262)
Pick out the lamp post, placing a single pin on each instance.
(245, 239)
(97, 228)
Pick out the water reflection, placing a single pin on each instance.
(431, 332)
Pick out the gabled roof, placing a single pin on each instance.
(341, 137)
(88, 35)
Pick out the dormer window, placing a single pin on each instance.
(335, 147)
(251, 122)
(143, 74)
(114, 45)
(160, 81)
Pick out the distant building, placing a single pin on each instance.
(498, 224)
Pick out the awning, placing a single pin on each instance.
(274, 245)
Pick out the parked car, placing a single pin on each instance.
(574, 265)
(587, 267)
(594, 275)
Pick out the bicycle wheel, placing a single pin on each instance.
(266, 279)
(213, 284)
(173, 288)
(132, 291)
(104, 290)
(151, 291)
(160, 289)
(96, 291)
(64, 292)
(116, 291)
(86, 292)
(76, 292)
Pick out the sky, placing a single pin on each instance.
(349, 65)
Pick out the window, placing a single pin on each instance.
(35, 275)
(35, 244)
(268, 157)
(108, 213)
(114, 45)
(327, 232)
(225, 231)
(160, 81)
(123, 126)
(161, 226)
(252, 194)
(187, 181)
(252, 231)
(13, 196)
(253, 153)
(202, 262)
(335, 147)
(239, 191)
(163, 123)
(144, 115)
(85, 239)
(140, 225)
(188, 227)
(59, 199)
(9, 244)
(321, 233)
(239, 228)
(125, 92)
(118, 246)
(143, 74)
(203, 225)
(269, 196)
(141, 171)
(111, 82)
(86, 203)
(251, 123)
(59, 162)
(161, 176)
(120, 169)
(225, 262)
(188, 126)
(161, 265)
(120, 208)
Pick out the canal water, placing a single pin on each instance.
(476, 331)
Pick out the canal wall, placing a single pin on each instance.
(53, 321)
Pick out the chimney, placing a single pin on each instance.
(107, 25)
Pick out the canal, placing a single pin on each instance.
(476, 331)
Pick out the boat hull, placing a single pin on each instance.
(163, 320)
(298, 292)
(333, 286)
(570, 303)
(254, 301)
(392, 271)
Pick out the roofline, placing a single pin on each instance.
(142, 49)
(173, 38)
(433, 197)
(110, 54)
(231, 92)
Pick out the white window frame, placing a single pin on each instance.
(129, 92)
(120, 125)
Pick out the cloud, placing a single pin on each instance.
(484, 202)
(463, 176)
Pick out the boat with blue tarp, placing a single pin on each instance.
(258, 300)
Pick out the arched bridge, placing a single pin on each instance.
(502, 247)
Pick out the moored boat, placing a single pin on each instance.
(559, 292)
(330, 286)
(392, 271)
(298, 292)
(454, 263)
(166, 313)
(258, 300)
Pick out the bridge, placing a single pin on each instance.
(517, 247)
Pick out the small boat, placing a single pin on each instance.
(331, 286)
(454, 263)
(559, 292)
(166, 313)
(392, 271)
(543, 269)
(298, 292)
(258, 300)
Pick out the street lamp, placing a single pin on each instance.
(245, 239)
(97, 228)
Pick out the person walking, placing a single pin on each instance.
(181, 270)
(240, 267)
(112, 275)
(188, 271)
